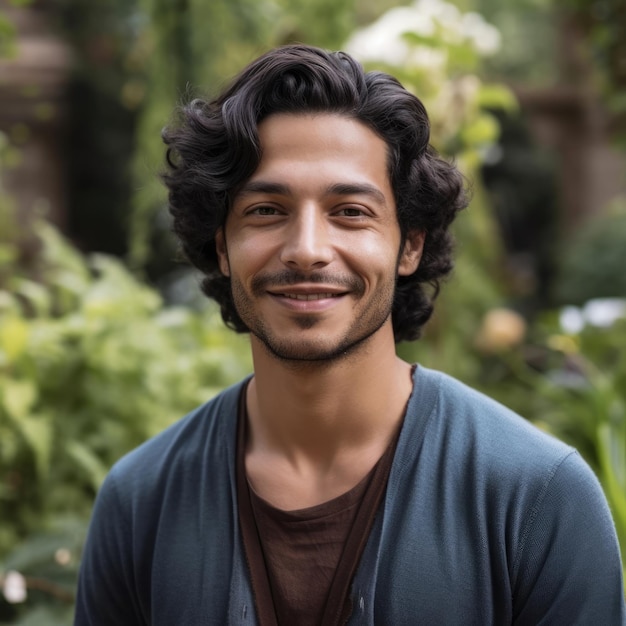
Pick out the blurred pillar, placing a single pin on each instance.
(32, 107)
(569, 119)
(591, 171)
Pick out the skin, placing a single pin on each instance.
(312, 246)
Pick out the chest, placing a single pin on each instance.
(417, 561)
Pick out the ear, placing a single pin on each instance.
(222, 252)
(412, 253)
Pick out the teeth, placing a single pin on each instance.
(308, 296)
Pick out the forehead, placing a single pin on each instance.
(329, 129)
(322, 147)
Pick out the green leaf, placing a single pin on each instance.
(483, 129)
(430, 41)
(37, 430)
(612, 453)
(492, 96)
(57, 253)
(14, 333)
(93, 467)
(37, 295)
(18, 397)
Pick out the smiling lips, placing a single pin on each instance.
(309, 296)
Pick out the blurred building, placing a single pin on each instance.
(570, 120)
(33, 82)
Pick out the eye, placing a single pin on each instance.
(264, 209)
(351, 211)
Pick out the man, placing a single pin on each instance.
(338, 484)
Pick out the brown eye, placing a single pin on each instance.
(351, 212)
(264, 210)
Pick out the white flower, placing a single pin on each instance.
(600, 312)
(485, 37)
(439, 9)
(604, 312)
(14, 587)
(383, 40)
(571, 320)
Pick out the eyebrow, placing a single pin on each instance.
(357, 189)
(262, 186)
(336, 189)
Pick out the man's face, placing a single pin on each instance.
(312, 242)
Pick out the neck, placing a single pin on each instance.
(319, 410)
(316, 429)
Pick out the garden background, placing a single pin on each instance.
(104, 338)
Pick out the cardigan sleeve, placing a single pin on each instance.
(107, 587)
(568, 565)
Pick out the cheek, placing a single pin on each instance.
(248, 255)
(376, 254)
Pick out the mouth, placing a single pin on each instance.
(308, 296)
(307, 299)
(298, 288)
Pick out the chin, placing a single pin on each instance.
(300, 350)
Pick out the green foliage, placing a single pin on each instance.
(7, 37)
(91, 365)
(592, 262)
(48, 564)
(8, 31)
(603, 23)
(324, 23)
(529, 55)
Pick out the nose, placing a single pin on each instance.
(307, 244)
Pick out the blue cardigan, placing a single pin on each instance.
(486, 520)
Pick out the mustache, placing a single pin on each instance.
(263, 282)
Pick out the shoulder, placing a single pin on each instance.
(531, 504)
(477, 427)
(492, 458)
(205, 435)
(532, 484)
(567, 565)
(499, 446)
(169, 497)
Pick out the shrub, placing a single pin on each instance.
(91, 365)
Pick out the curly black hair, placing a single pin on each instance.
(213, 148)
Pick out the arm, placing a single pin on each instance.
(106, 586)
(568, 569)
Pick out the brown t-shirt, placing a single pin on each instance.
(302, 562)
(302, 550)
